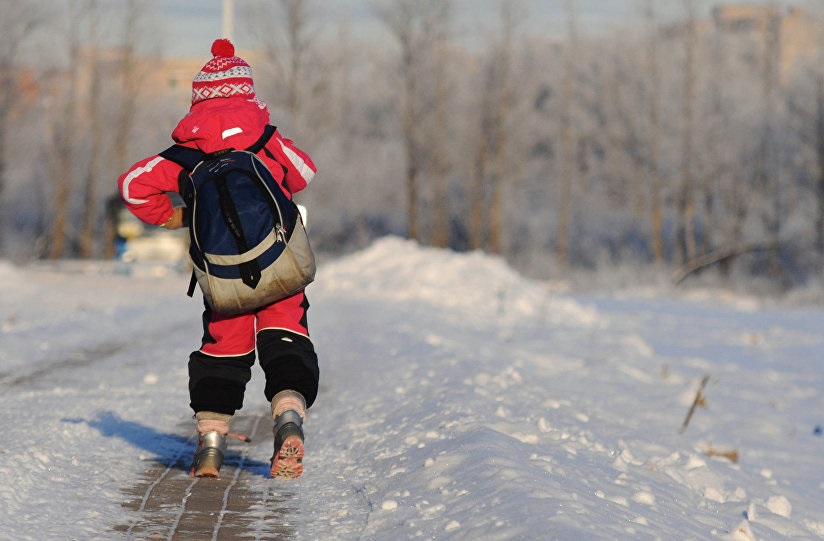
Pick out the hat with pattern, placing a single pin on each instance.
(224, 76)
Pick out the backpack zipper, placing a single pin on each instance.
(280, 232)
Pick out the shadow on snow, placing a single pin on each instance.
(170, 450)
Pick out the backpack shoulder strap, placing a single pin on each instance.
(268, 132)
(186, 157)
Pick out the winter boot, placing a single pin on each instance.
(288, 409)
(211, 444)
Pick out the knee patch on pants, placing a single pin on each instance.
(289, 362)
(218, 383)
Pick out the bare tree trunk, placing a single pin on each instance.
(713, 177)
(568, 147)
(478, 195)
(502, 110)
(414, 24)
(7, 98)
(286, 39)
(297, 39)
(63, 161)
(495, 89)
(15, 26)
(819, 145)
(687, 195)
(413, 156)
(90, 208)
(770, 172)
(654, 135)
(130, 75)
(441, 218)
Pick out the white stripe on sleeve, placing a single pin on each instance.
(133, 175)
(304, 170)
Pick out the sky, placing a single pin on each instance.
(195, 23)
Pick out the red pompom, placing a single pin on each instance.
(223, 47)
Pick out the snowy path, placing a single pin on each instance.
(458, 401)
(172, 505)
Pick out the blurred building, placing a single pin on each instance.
(790, 35)
(792, 32)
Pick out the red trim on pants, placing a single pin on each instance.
(235, 335)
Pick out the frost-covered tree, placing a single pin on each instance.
(16, 26)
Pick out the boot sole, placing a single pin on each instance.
(205, 471)
(288, 462)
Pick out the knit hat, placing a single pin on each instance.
(223, 76)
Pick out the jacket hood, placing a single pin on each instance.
(220, 123)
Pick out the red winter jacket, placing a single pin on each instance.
(212, 125)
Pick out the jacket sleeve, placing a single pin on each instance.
(299, 168)
(144, 186)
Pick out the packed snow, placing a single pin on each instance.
(458, 400)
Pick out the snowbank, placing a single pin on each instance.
(458, 401)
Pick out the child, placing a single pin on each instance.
(225, 113)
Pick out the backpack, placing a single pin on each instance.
(248, 246)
